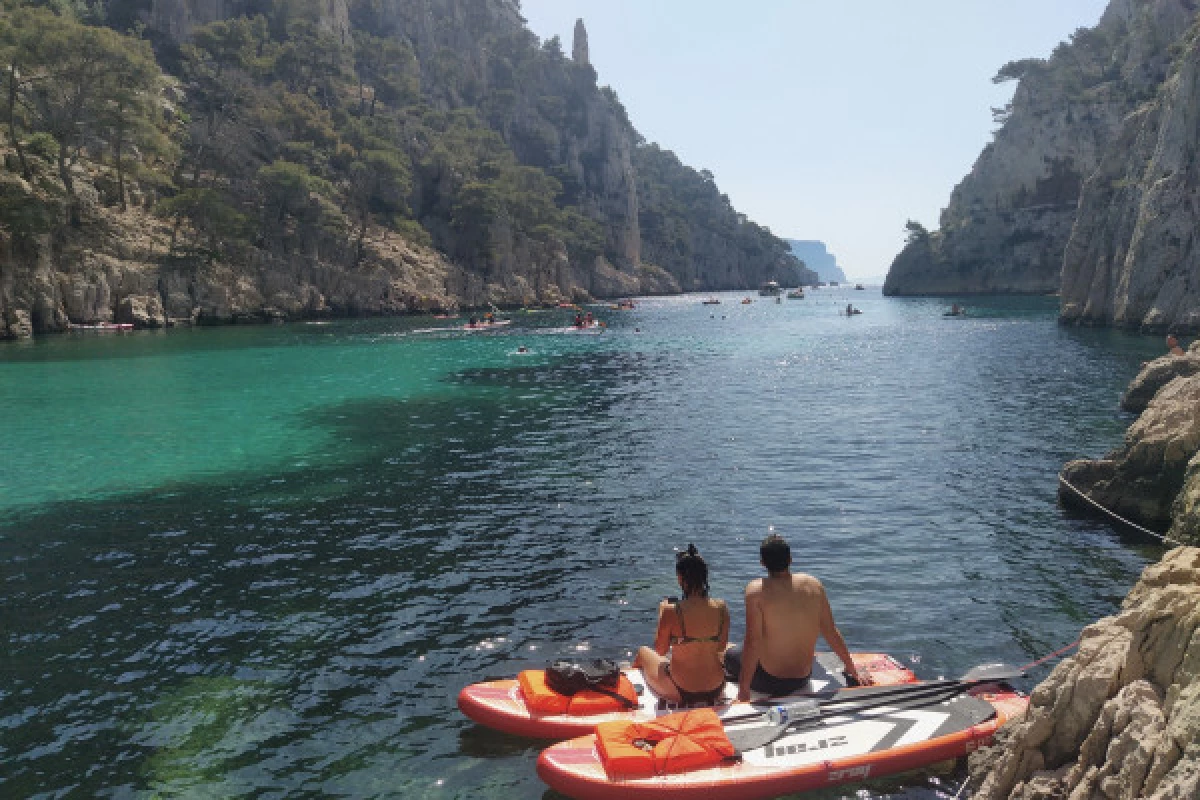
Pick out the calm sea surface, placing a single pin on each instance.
(262, 561)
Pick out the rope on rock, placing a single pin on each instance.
(1114, 515)
(1055, 654)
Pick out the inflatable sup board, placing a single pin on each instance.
(501, 705)
(845, 746)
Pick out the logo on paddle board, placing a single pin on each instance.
(850, 774)
(805, 747)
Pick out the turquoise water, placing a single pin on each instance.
(263, 560)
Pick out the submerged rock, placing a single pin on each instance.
(1121, 719)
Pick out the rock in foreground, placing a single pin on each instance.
(1121, 719)
(1142, 480)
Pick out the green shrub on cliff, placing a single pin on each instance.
(90, 90)
(280, 133)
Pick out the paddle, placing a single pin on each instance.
(805, 712)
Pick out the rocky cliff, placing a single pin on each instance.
(362, 156)
(1121, 719)
(1154, 478)
(1006, 227)
(1133, 259)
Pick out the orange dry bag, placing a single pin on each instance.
(541, 699)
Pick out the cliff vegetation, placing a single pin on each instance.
(170, 161)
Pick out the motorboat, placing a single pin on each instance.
(770, 289)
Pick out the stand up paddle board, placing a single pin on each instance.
(845, 744)
(501, 704)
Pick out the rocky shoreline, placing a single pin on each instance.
(1153, 479)
(1120, 720)
(120, 271)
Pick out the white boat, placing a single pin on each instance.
(770, 289)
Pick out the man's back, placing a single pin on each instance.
(790, 609)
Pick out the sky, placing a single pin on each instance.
(828, 120)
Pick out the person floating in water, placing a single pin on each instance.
(785, 613)
(522, 349)
(957, 310)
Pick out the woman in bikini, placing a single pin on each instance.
(684, 666)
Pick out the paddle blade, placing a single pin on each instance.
(992, 672)
(751, 737)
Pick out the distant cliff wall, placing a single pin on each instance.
(1134, 256)
(1006, 227)
(816, 256)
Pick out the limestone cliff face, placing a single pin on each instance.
(1133, 259)
(1006, 227)
(552, 114)
(1121, 719)
(462, 68)
(114, 270)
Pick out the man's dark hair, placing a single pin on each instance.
(775, 553)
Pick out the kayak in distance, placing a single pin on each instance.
(105, 327)
(475, 327)
(483, 326)
(502, 704)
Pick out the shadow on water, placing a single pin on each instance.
(480, 742)
(184, 639)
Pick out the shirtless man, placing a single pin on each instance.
(784, 615)
(1173, 347)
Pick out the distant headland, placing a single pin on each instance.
(816, 256)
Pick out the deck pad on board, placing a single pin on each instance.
(871, 731)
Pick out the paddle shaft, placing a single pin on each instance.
(911, 691)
